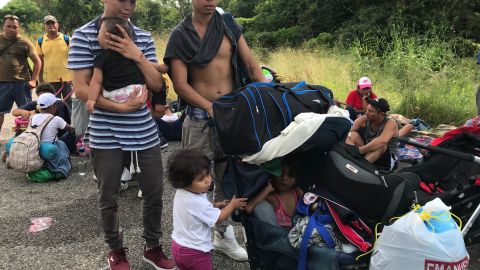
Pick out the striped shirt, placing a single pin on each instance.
(134, 131)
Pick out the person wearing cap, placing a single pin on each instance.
(47, 105)
(31, 108)
(375, 135)
(52, 48)
(357, 98)
(15, 79)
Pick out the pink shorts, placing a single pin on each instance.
(191, 259)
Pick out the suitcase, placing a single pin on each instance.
(375, 196)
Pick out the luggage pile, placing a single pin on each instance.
(264, 122)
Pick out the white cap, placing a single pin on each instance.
(46, 100)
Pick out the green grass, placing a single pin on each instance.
(419, 76)
(416, 84)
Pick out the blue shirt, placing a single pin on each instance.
(133, 131)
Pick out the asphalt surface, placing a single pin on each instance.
(75, 241)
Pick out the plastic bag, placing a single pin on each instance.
(44, 175)
(426, 238)
(40, 224)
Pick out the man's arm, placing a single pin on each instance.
(37, 65)
(42, 59)
(23, 113)
(81, 85)
(68, 128)
(254, 70)
(390, 130)
(185, 90)
(358, 123)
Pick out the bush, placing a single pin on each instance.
(322, 40)
(282, 37)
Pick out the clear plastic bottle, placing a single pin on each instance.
(82, 164)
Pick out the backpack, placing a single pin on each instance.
(24, 152)
(65, 38)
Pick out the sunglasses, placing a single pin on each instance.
(10, 17)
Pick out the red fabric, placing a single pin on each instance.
(350, 233)
(425, 187)
(454, 132)
(477, 182)
(354, 99)
(283, 218)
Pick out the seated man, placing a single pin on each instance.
(375, 135)
(357, 98)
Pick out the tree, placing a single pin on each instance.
(26, 10)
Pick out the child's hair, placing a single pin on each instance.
(110, 23)
(291, 166)
(186, 165)
(44, 88)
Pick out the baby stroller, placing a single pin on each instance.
(338, 173)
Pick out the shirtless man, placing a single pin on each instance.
(200, 75)
(375, 134)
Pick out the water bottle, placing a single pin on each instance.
(82, 165)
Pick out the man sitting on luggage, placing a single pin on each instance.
(375, 135)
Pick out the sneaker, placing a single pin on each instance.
(117, 260)
(139, 194)
(228, 245)
(156, 258)
(163, 143)
(123, 185)
(126, 175)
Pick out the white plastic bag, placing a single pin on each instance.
(427, 238)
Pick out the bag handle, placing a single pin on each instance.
(295, 95)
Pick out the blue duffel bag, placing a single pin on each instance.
(250, 116)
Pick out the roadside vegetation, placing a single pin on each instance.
(420, 54)
(420, 76)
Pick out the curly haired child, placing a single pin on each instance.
(193, 214)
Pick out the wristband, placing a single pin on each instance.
(139, 59)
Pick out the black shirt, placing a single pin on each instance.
(118, 71)
(62, 110)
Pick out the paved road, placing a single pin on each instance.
(75, 240)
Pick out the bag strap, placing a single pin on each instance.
(315, 221)
(6, 48)
(39, 129)
(295, 95)
(66, 39)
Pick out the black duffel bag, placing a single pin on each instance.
(258, 112)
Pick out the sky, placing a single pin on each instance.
(3, 3)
